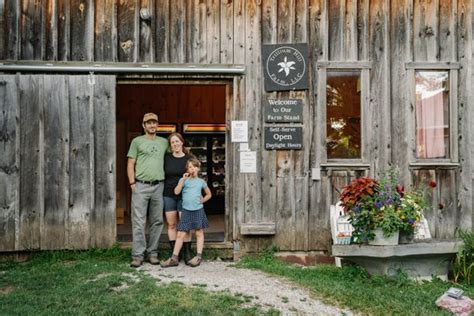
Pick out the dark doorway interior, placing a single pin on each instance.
(195, 110)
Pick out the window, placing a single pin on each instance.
(343, 114)
(432, 114)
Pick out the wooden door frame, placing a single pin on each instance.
(228, 82)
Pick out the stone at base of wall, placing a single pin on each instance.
(420, 260)
(308, 258)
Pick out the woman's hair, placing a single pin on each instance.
(193, 161)
(181, 138)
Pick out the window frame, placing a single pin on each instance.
(453, 70)
(365, 115)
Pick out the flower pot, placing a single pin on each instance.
(381, 240)
(406, 237)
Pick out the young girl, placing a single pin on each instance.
(193, 216)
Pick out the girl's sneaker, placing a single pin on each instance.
(194, 262)
(171, 262)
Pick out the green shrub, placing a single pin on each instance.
(463, 264)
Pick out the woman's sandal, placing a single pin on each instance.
(194, 262)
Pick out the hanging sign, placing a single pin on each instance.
(284, 138)
(285, 67)
(284, 111)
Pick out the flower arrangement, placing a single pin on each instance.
(384, 204)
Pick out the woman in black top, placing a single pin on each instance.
(175, 167)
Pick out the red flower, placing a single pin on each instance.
(400, 189)
(432, 183)
(353, 192)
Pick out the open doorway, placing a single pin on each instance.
(197, 111)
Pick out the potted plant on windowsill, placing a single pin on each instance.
(379, 209)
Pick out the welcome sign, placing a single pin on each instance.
(284, 111)
(285, 67)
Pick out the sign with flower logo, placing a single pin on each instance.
(285, 67)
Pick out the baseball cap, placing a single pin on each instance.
(150, 116)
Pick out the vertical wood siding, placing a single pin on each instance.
(2, 30)
(31, 130)
(64, 26)
(57, 163)
(81, 169)
(104, 162)
(464, 11)
(9, 163)
(386, 33)
(253, 183)
(105, 31)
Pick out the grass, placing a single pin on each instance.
(353, 288)
(101, 282)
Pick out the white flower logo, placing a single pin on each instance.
(286, 66)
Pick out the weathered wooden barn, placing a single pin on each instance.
(73, 70)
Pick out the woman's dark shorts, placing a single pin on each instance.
(192, 220)
(172, 203)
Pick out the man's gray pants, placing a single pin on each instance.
(147, 202)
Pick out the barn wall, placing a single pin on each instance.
(58, 178)
(380, 35)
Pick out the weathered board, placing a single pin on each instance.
(105, 42)
(31, 162)
(81, 164)
(56, 162)
(9, 162)
(82, 30)
(104, 161)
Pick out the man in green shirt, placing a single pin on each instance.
(145, 171)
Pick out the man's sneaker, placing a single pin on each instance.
(171, 262)
(194, 262)
(136, 262)
(153, 260)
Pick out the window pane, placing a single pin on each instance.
(343, 130)
(432, 114)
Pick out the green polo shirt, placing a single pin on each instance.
(149, 157)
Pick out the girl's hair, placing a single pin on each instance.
(193, 161)
(181, 138)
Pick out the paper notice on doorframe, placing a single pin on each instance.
(248, 162)
(239, 131)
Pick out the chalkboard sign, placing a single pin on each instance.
(284, 111)
(284, 138)
(285, 67)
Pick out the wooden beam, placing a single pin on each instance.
(258, 229)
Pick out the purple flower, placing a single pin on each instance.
(411, 221)
(378, 204)
(356, 209)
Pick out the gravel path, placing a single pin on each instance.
(260, 288)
